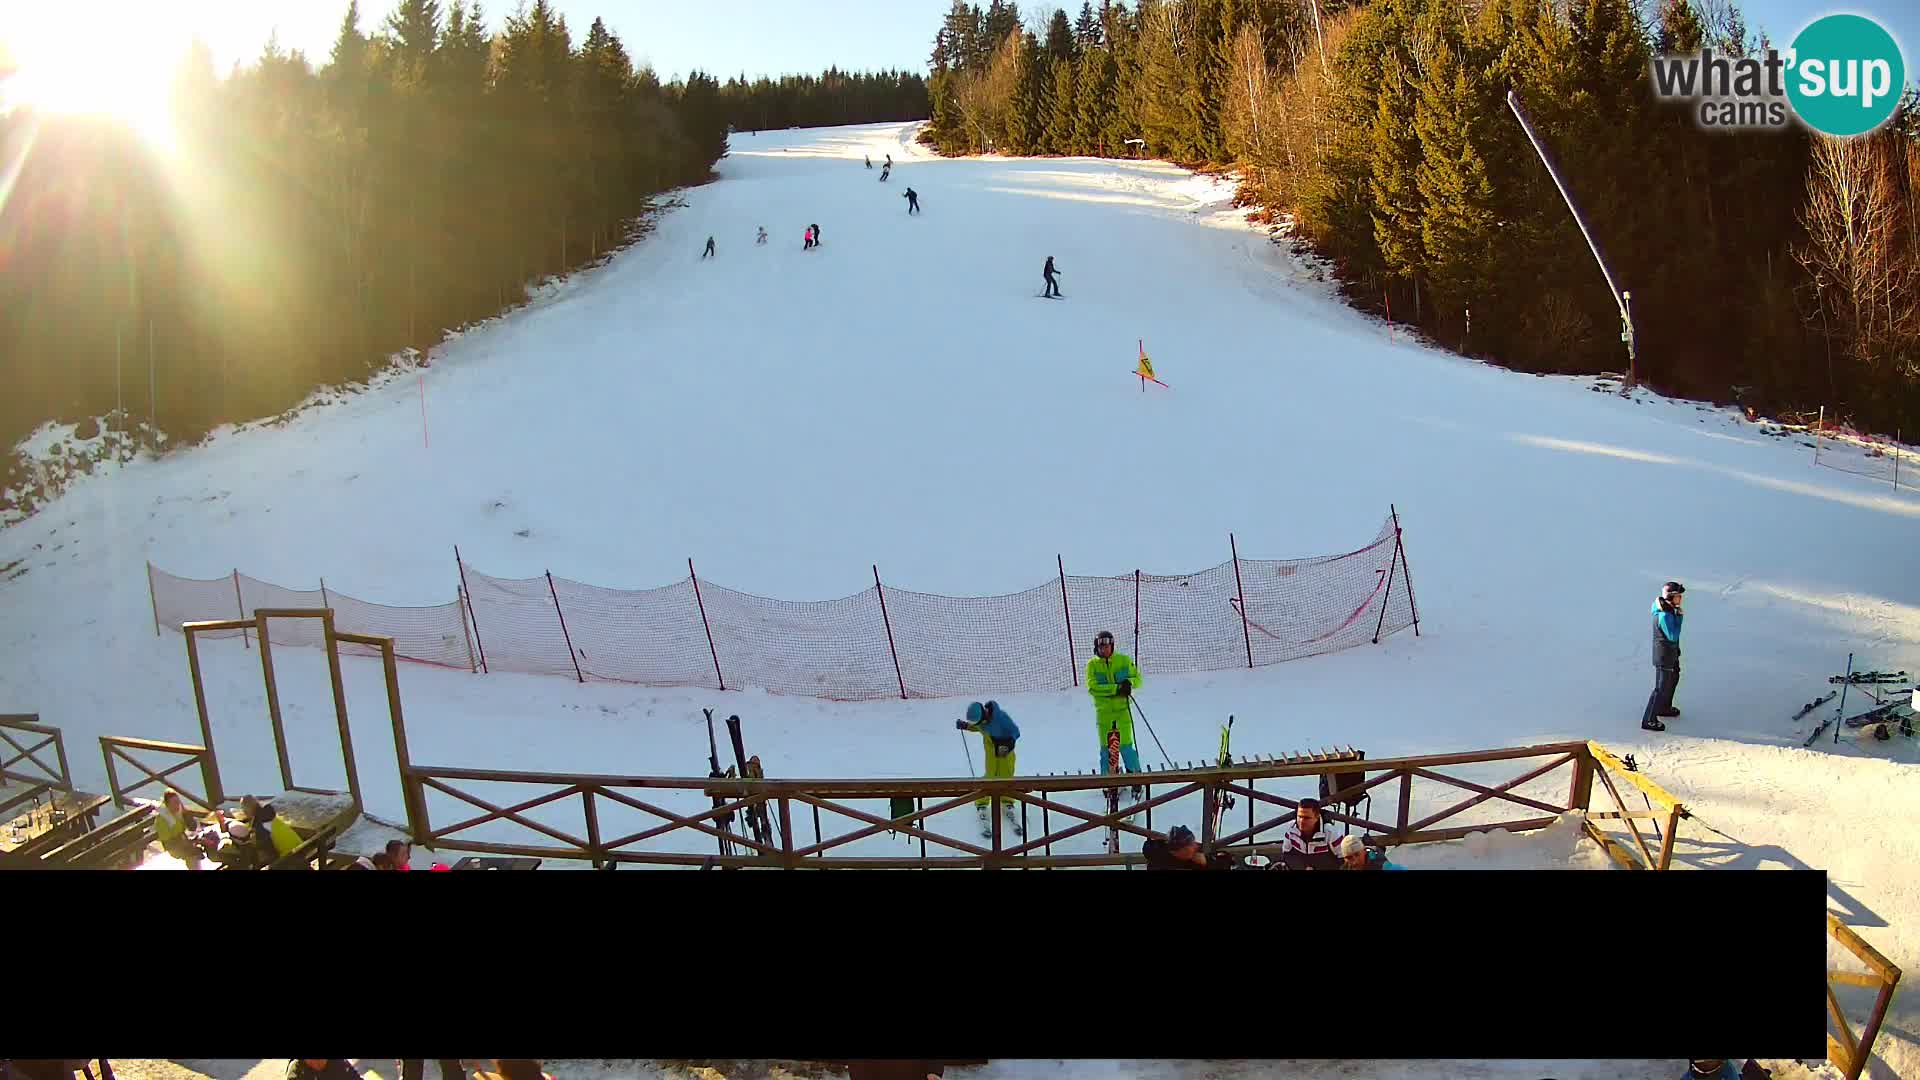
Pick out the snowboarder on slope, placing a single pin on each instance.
(998, 734)
(762, 238)
(709, 250)
(1666, 656)
(1053, 287)
(913, 201)
(1111, 677)
(1356, 855)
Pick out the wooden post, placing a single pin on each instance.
(471, 613)
(1580, 795)
(410, 791)
(239, 604)
(888, 623)
(1406, 802)
(1819, 427)
(1072, 668)
(152, 596)
(1241, 589)
(273, 704)
(715, 653)
(593, 826)
(214, 795)
(1666, 842)
(340, 711)
(568, 638)
(786, 832)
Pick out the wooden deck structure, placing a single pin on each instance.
(1038, 797)
(1847, 1052)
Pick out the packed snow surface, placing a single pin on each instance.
(903, 396)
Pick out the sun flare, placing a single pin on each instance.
(97, 60)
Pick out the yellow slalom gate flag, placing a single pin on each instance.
(1145, 370)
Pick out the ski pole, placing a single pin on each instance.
(968, 749)
(1156, 735)
(1842, 710)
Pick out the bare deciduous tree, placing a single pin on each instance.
(1864, 274)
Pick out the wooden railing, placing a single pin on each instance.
(109, 847)
(1659, 806)
(114, 747)
(54, 777)
(1036, 796)
(1848, 1053)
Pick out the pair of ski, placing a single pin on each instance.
(757, 821)
(1859, 677)
(1220, 808)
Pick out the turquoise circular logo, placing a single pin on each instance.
(1847, 75)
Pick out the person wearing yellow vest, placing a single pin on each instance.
(1111, 678)
(170, 827)
(280, 836)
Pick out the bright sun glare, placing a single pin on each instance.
(102, 59)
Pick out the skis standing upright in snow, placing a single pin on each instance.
(1114, 768)
(1224, 801)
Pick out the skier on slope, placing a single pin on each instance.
(1666, 656)
(885, 170)
(998, 734)
(913, 201)
(762, 238)
(869, 158)
(816, 235)
(889, 161)
(1048, 272)
(1111, 677)
(709, 250)
(808, 246)
(1356, 855)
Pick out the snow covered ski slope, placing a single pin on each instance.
(789, 418)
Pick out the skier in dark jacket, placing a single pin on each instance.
(869, 161)
(885, 171)
(816, 236)
(709, 250)
(913, 201)
(1666, 656)
(1053, 287)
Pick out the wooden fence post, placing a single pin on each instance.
(1242, 590)
(471, 613)
(1072, 669)
(239, 604)
(565, 636)
(888, 623)
(152, 596)
(715, 653)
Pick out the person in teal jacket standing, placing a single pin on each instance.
(1111, 679)
(1666, 656)
(998, 735)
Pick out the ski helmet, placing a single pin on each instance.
(1672, 589)
(974, 712)
(1179, 836)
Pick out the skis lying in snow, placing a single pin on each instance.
(1874, 715)
(1818, 730)
(1812, 705)
(1859, 677)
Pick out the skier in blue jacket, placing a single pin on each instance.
(1666, 656)
(998, 734)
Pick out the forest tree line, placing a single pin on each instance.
(1774, 267)
(311, 219)
(830, 98)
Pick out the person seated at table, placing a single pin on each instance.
(272, 835)
(1180, 851)
(173, 829)
(321, 1069)
(1305, 843)
(1356, 855)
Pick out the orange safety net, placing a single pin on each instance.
(878, 643)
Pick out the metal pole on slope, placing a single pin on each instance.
(1156, 735)
(1620, 299)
